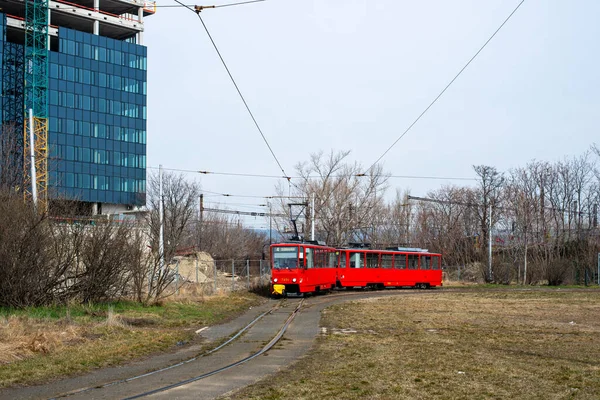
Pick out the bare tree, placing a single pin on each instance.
(394, 221)
(347, 199)
(103, 261)
(11, 158)
(225, 237)
(35, 257)
(489, 197)
(179, 204)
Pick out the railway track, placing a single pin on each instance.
(266, 348)
(214, 372)
(136, 386)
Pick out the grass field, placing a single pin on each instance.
(38, 344)
(527, 344)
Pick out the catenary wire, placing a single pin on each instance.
(236, 87)
(446, 178)
(216, 6)
(448, 85)
(250, 196)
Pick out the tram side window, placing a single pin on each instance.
(333, 260)
(425, 262)
(400, 261)
(372, 260)
(320, 258)
(342, 259)
(356, 260)
(435, 262)
(413, 261)
(386, 261)
(309, 258)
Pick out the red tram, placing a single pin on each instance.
(307, 267)
(302, 267)
(398, 267)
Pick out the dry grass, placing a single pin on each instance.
(21, 337)
(496, 345)
(39, 344)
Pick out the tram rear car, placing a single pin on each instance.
(302, 268)
(400, 267)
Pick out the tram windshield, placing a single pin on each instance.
(285, 257)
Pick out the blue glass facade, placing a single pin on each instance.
(97, 119)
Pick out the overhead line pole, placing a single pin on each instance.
(161, 239)
(200, 218)
(312, 217)
(32, 155)
(490, 245)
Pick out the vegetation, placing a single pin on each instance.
(40, 343)
(543, 217)
(537, 344)
(65, 258)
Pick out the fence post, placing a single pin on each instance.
(215, 270)
(459, 272)
(177, 277)
(248, 273)
(232, 275)
(197, 269)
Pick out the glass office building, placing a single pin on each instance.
(97, 119)
(96, 100)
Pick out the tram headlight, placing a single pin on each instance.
(275, 280)
(294, 280)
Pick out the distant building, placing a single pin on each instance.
(88, 87)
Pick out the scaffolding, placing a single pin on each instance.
(12, 115)
(36, 99)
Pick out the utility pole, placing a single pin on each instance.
(200, 219)
(32, 155)
(161, 239)
(312, 218)
(525, 261)
(490, 245)
(270, 224)
(525, 230)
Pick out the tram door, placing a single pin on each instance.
(387, 273)
(356, 269)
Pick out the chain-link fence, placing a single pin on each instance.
(222, 275)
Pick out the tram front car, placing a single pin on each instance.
(286, 268)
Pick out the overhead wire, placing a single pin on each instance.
(249, 175)
(215, 6)
(250, 196)
(448, 85)
(251, 205)
(285, 175)
(236, 86)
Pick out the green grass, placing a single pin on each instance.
(42, 343)
(169, 314)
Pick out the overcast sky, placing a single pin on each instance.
(354, 74)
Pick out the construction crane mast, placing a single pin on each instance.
(35, 180)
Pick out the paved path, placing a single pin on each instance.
(297, 340)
